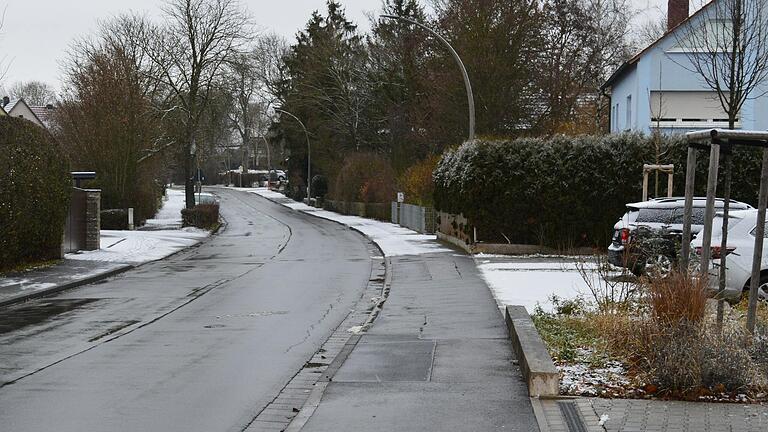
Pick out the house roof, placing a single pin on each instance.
(44, 114)
(633, 61)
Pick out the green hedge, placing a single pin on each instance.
(114, 219)
(204, 216)
(565, 191)
(35, 189)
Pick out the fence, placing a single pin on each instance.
(378, 211)
(418, 218)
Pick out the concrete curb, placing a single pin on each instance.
(69, 285)
(538, 369)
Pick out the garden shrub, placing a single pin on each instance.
(35, 189)
(365, 177)
(114, 219)
(204, 216)
(418, 183)
(565, 191)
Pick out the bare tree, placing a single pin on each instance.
(191, 50)
(34, 92)
(727, 47)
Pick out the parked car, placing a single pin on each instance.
(740, 251)
(646, 239)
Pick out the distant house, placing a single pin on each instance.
(656, 90)
(39, 115)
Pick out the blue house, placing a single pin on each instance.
(657, 89)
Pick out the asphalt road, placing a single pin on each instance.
(201, 341)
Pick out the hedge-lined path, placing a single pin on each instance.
(631, 415)
(201, 341)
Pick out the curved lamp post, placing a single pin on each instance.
(306, 134)
(467, 84)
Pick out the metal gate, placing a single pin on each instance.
(75, 227)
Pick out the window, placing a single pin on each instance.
(629, 112)
(687, 109)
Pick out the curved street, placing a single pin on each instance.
(201, 341)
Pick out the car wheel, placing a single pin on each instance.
(658, 266)
(762, 289)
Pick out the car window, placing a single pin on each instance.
(663, 215)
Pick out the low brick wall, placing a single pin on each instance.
(380, 211)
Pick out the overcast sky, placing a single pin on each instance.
(36, 33)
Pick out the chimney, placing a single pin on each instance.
(677, 12)
(6, 101)
(49, 106)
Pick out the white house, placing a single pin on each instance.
(657, 89)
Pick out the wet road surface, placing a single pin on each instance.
(201, 341)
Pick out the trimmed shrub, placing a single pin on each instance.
(204, 216)
(565, 192)
(114, 219)
(365, 177)
(35, 189)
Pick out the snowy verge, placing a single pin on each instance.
(136, 247)
(393, 240)
(530, 281)
(163, 236)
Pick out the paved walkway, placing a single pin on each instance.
(631, 415)
(436, 359)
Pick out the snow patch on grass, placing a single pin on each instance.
(517, 282)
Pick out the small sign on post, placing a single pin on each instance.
(400, 197)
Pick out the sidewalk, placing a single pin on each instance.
(437, 358)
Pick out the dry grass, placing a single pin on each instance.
(676, 299)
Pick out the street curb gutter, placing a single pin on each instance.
(538, 369)
(69, 285)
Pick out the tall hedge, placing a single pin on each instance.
(35, 188)
(565, 191)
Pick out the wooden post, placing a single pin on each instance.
(709, 211)
(759, 237)
(645, 184)
(690, 178)
(724, 239)
(670, 179)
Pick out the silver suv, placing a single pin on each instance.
(658, 223)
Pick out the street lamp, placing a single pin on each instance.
(470, 98)
(309, 179)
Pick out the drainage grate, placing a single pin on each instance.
(571, 416)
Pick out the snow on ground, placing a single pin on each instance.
(530, 281)
(169, 215)
(393, 239)
(136, 247)
(164, 237)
